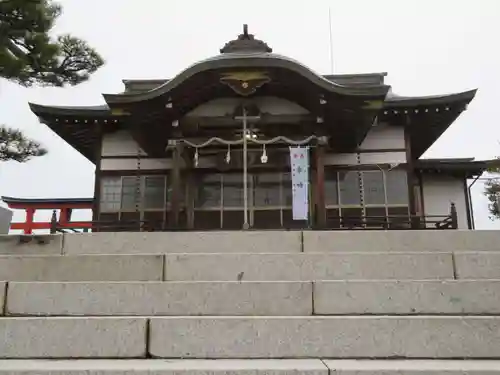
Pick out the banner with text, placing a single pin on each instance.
(299, 162)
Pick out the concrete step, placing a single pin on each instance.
(248, 366)
(253, 242)
(168, 298)
(251, 267)
(402, 241)
(31, 244)
(477, 265)
(163, 367)
(325, 337)
(308, 266)
(474, 337)
(183, 242)
(82, 268)
(407, 297)
(87, 337)
(413, 367)
(452, 297)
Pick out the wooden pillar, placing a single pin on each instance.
(175, 184)
(468, 210)
(189, 201)
(30, 216)
(419, 191)
(453, 216)
(64, 215)
(189, 176)
(320, 187)
(410, 172)
(97, 182)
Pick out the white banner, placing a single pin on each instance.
(299, 162)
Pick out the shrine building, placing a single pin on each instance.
(169, 152)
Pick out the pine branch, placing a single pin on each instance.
(29, 56)
(14, 145)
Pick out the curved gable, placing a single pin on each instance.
(267, 104)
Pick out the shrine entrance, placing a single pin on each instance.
(219, 202)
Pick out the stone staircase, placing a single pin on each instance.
(251, 303)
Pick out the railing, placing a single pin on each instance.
(394, 222)
(104, 226)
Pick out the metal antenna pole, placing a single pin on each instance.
(245, 172)
(331, 38)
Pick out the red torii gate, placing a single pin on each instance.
(65, 205)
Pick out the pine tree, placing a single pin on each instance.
(492, 191)
(30, 56)
(15, 146)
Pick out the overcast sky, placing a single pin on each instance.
(426, 46)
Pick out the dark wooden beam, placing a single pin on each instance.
(175, 184)
(189, 176)
(228, 120)
(320, 187)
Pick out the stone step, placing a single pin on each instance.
(477, 265)
(407, 297)
(183, 242)
(31, 244)
(61, 337)
(167, 298)
(251, 266)
(325, 337)
(474, 337)
(413, 367)
(402, 241)
(247, 366)
(252, 242)
(247, 266)
(82, 268)
(308, 266)
(450, 297)
(162, 367)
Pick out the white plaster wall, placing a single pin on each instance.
(366, 158)
(267, 104)
(439, 191)
(120, 143)
(384, 137)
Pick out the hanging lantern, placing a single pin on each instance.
(228, 154)
(196, 157)
(264, 157)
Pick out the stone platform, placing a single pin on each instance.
(374, 302)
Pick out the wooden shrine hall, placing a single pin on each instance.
(184, 153)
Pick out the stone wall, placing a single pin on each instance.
(5, 219)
